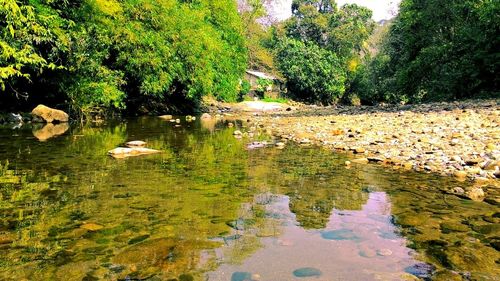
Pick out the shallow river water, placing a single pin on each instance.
(209, 208)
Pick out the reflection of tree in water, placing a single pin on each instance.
(313, 179)
(108, 211)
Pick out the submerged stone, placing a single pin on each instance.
(307, 272)
(449, 227)
(138, 239)
(241, 276)
(421, 270)
(341, 234)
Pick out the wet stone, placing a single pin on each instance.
(241, 276)
(307, 272)
(341, 234)
(421, 270)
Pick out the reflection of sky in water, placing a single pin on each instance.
(355, 245)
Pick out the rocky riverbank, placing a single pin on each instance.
(461, 139)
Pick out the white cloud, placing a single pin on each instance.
(382, 9)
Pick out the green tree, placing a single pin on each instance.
(21, 34)
(119, 53)
(313, 74)
(338, 34)
(439, 50)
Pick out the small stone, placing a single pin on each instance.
(337, 132)
(359, 150)
(255, 277)
(461, 175)
(472, 161)
(407, 165)
(458, 191)
(375, 159)
(177, 121)
(347, 163)
(491, 146)
(166, 117)
(230, 125)
(490, 165)
(481, 180)
(280, 145)
(475, 194)
(237, 133)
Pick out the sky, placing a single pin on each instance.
(382, 9)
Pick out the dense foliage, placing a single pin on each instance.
(437, 50)
(313, 73)
(104, 53)
(320, 48)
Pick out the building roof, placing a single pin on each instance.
(261, 75)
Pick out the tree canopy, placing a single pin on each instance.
(438, 50)
(109, 51)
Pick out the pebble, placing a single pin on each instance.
(460, 139)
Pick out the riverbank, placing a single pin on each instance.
(461, 139)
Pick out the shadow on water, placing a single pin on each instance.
(207, 208)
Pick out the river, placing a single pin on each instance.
(210, 208)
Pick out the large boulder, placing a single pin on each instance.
(46, 114)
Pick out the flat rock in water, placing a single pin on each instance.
(123, 152)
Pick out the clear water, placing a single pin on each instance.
(208, 208)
